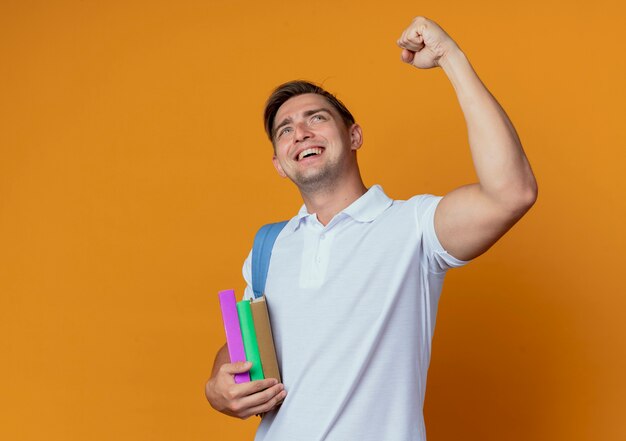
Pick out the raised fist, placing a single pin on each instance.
(424, 43)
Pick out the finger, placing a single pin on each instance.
(268, 405)
(405, 36)
(416, 37)
(414, 44)
(407, 56)
(254, 387)
(236, 368)
(271, 405)
(261, 398)
(243, 390)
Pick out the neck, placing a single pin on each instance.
(326, 202)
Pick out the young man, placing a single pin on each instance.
(355, 277)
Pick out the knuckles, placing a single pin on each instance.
(269, 394)
(261, 385)
(230, 394)
(420, 19)
(234, 407)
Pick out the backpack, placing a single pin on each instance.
(262, 253)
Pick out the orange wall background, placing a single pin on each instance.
(134, 172)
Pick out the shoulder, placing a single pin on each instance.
(418, 207)
(424, 202)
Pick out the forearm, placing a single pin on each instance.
(503, 171)
(221, 358)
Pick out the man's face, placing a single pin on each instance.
(313, 146)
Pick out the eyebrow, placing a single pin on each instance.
(306, 114)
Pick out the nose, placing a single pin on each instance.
(302, 132)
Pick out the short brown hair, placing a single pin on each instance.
(294, 88)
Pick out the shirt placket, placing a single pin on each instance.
(320, 241)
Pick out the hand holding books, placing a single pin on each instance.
(245, 399)
(230, 390)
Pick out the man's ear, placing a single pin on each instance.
(278, 167)
(356, 137)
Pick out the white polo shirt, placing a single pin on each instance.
(353, 307)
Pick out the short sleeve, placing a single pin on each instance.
(247, 275)
(437, 258)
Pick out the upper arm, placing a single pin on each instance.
(468, 222)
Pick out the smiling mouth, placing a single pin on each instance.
(313, 151)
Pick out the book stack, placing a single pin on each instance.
(249, 336)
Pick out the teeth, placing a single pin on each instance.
(314, 150)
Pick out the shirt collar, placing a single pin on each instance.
(369, 206)
(365, 209)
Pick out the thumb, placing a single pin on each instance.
(237, 368)
(407, 55)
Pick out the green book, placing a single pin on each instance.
(249, 339)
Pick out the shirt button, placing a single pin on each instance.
(323, 236)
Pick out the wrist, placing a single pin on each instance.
(451, 58)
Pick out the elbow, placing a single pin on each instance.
(531, 193)
(515, 200)
(525, 197)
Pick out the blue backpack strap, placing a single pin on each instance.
(261, 254)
